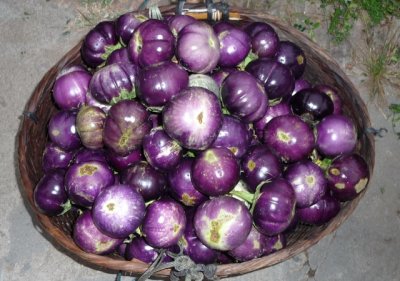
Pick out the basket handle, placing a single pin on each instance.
(212, 11)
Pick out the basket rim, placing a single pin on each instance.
(136, 266)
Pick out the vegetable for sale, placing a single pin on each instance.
(99, 43)
(347, 176)
(259, 164)
(125, 127)
(90, 123)
(164, 223)
(215, 171)
(198, 47)
(118, 210)
(244, 96)
(289, 137)
(222, 223)
(114, 82)
(84, 181)
(90, 239)
(336, 135)
(275, 207)
(159, 83)
(70, 87)
(193, 118)
(142, 177)
(49, 195)
(62, 130)
(162, 152)
(152, 42)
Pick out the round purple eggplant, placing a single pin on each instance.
(274, 208)
(252, 248)
(192, 246)
(177, 22)
(150, 183)
(220, 75)
(234, 44)
(90, 239)
(193, 118)
(121, 163)
(233, 135)
(181, 186)
(273, 243)
(152, 42)
(126, 24)
(118, 210)
(85, 155)
(273, 111)
(119, 56)
(84, 181)
(308, 181)
(114, 82)
(204, 81)
(333, 94)
(160, 82)
(215, 171)
(162, 152)
(89, 124)
(70, 87)
(277, 79)
(54, 157)
(198, 47)
(62, 130)
(126, 125)
(336, 135)
(49, 195)
(164, 223)
(348, 175)
(139, 249)
(260, 164)
(321, 212)
(222, 223)
(99, 43)
(292, 56)
(244, 96)
(264, 39)
(289, 137)
(311, 104)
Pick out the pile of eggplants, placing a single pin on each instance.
(179, 132)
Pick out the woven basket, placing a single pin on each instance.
(33, 136)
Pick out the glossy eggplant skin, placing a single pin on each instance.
(311, 104)
(114, 82)
(260, 164)
(161, 151)
(126, 125)
(99, 43)
(193, 118)
(49, 195)
(215, 171)
(277, 78)
(275, 207)
(244, 96)
(198, 47)
(152, 42)
(159, 83)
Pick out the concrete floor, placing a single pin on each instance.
(366, 247)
